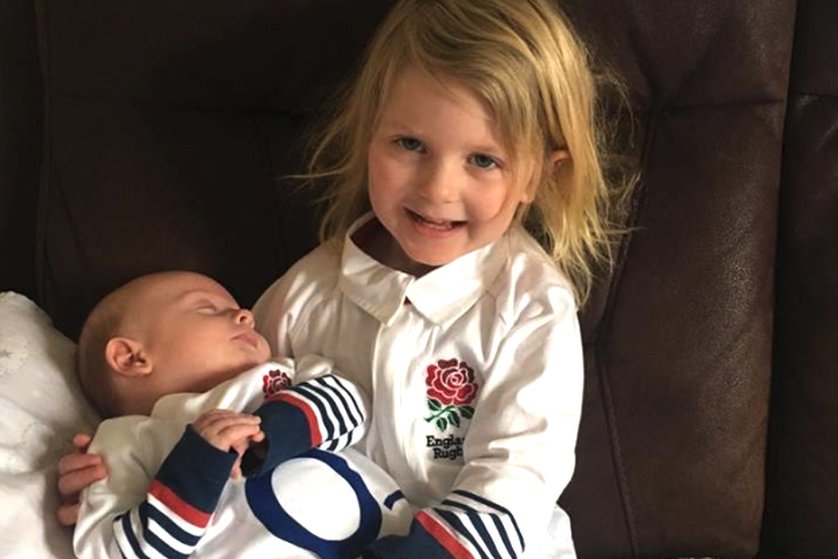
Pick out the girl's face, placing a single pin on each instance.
(440, 180)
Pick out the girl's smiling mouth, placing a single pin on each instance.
(436, 224)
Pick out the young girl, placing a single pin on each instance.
(468, 119)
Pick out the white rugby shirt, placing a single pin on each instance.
(484, 454)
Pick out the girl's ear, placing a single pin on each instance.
(127, 357)
(557, 158)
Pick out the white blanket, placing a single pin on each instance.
(41, 407)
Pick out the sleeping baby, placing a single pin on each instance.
(194, 436)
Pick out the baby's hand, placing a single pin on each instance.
(229, 430)
(76, 471)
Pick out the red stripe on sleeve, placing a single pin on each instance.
(294, 400)
(183, 509)
(451, 544)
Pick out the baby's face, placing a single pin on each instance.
(196, 334)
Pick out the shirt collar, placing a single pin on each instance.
(441, 295)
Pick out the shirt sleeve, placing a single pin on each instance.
(321, 410)
(132, 514)
(272, 318)
(519, 453)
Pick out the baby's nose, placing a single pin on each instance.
(244, 316)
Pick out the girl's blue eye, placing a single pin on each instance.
(484, 161)
(410, 144)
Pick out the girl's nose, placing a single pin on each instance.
(438, 183)
(244, 316)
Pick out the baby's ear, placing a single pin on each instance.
(128, 357)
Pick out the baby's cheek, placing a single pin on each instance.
(264, 351)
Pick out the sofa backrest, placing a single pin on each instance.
(21, 124)
(672, 446)
(802, 490)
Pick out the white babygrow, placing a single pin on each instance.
(159, 497)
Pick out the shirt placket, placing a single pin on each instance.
(404, 346)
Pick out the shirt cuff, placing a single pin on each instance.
(196, 471)
(288, 433)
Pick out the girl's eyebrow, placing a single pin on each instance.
(396, 124)
(489, 148)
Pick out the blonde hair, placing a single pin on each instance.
(527, 64)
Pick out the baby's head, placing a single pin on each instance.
(163, 333)
(523, 61)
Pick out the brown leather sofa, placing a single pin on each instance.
(138, 135)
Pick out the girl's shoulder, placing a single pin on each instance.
(310, 279)
(530, 282)
(319, 269)
(320, 265)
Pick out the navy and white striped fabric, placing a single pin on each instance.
(489, 528)
(326, 412)
(179, 504)
(463, 526)
(335, 406)
(149, 531)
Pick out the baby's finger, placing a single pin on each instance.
(238, 433)
(75, 461)
(81, 441)
(71, 483)
(236, 472)
(67, 515)
(221, 430)
(217, 423)
(258, 437)
(241, 445)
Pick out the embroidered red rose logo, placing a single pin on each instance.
(274, 381)
(451, 388)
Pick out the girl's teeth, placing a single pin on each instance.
(436, 224)
(442, 224)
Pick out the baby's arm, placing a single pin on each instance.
(321, 410)
(80, 469)
(131, 515)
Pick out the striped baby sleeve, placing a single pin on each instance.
(179, 504)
